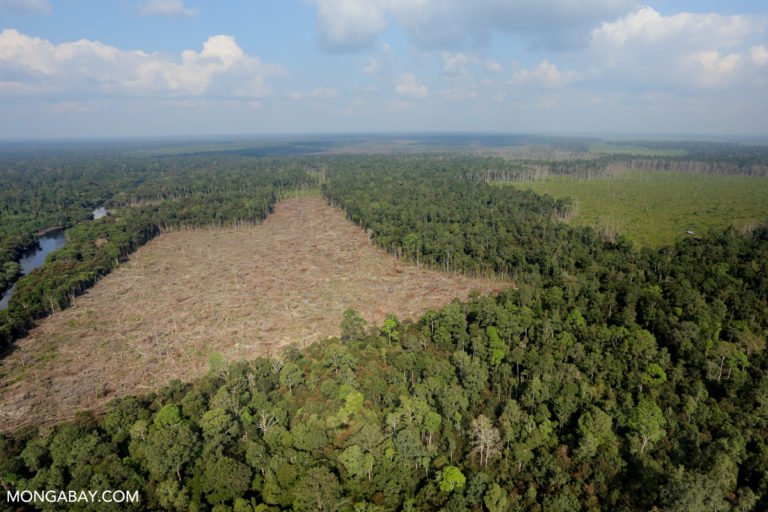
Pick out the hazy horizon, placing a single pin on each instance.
(251, 138)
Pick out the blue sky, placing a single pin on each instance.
(82, 68)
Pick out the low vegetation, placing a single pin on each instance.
(655, 208)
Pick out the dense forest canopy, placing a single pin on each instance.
(609, 378)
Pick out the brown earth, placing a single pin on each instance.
(241, 292)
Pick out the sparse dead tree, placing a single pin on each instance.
(485, 438)
(277, 364)
(267, 420)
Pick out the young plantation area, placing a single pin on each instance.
(655, 208)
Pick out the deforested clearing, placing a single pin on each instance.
(187, 295)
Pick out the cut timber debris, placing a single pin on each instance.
(242, 292)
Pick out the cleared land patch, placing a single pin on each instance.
(241, 292)
(655, 208)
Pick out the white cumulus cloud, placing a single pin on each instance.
(457, 64)
(646, 26)
(460, 64)
(409, 86)
(372, 66)
(33, 65)
(167, 8)
(349, 25)
(645, 49)
(759, 55)
(714, 68)
(320, 93)
(545, 75)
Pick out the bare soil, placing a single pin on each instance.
(242, 292)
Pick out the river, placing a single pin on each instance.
(36, 256)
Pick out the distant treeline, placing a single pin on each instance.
(704, 149)
(608, 166)
(684, 164)
(517, 171)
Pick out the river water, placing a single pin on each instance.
(36, 256)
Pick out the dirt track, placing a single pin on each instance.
(242, 292)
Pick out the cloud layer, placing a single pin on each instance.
(167, 8)
(351, 25)
(348, 25)
(685, 51)
(35, 66)
(408, 86)
(393, 64)
(545, 75)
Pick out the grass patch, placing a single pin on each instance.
(656, 208)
